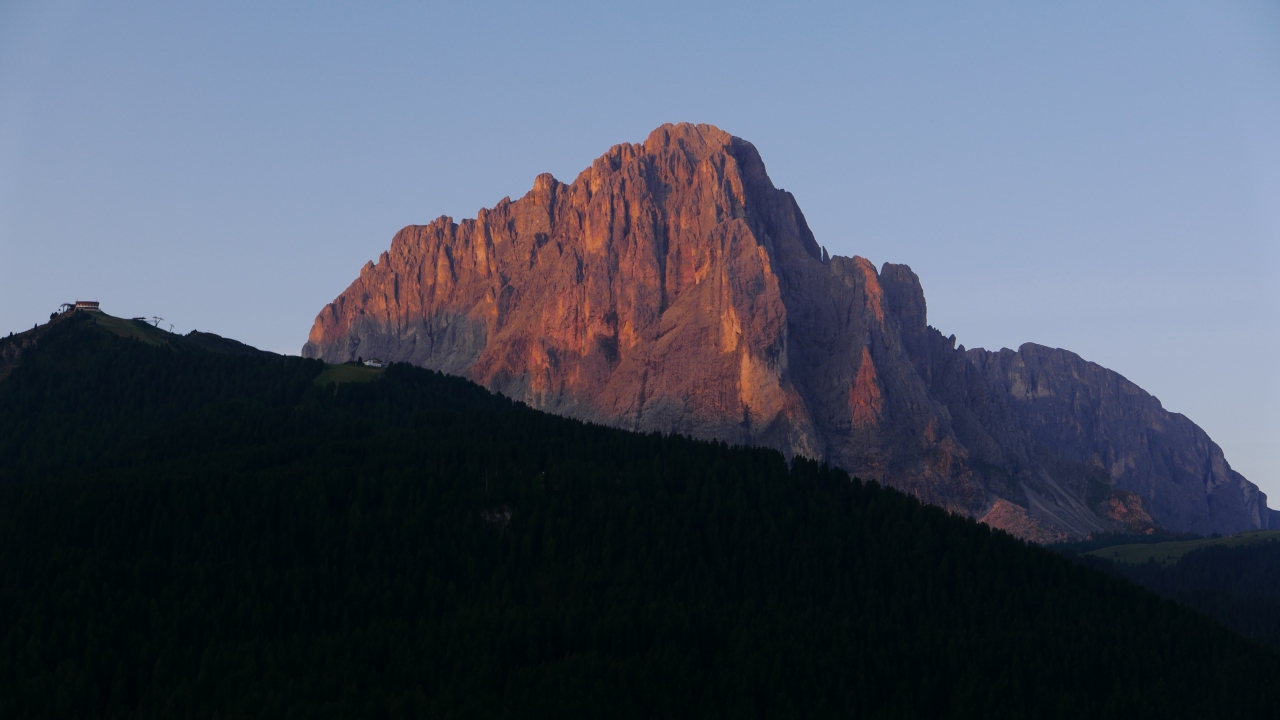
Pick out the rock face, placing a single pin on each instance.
(672, 287)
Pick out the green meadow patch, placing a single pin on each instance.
(348, 373)
(1167, 553)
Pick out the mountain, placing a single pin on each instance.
(194, 529)
(671, 287)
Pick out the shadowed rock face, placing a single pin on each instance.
(672, 287)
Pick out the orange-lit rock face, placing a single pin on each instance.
(865, 401)
(1014, 520)
(641, 295)
(672, 287)
(1126, 508)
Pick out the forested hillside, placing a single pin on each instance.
(1234, 580)
(194, 533)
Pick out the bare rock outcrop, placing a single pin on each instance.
(672, 287)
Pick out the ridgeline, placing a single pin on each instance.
(191, 529)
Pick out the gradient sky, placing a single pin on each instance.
(1103, 177)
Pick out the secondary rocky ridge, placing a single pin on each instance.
(672, 287)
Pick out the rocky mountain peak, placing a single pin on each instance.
(671, 287)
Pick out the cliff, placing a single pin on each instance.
(672, 287)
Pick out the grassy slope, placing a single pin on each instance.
(132, 329)
(1168, 553)
(340, 374)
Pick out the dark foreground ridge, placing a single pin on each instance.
(193, 533)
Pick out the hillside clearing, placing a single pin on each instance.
(1168, 553)
(340, 374)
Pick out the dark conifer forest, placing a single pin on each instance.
(1237, 586)
(192, 530)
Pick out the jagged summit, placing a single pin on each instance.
(672, 287)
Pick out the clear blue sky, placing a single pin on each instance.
(1103, 177)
